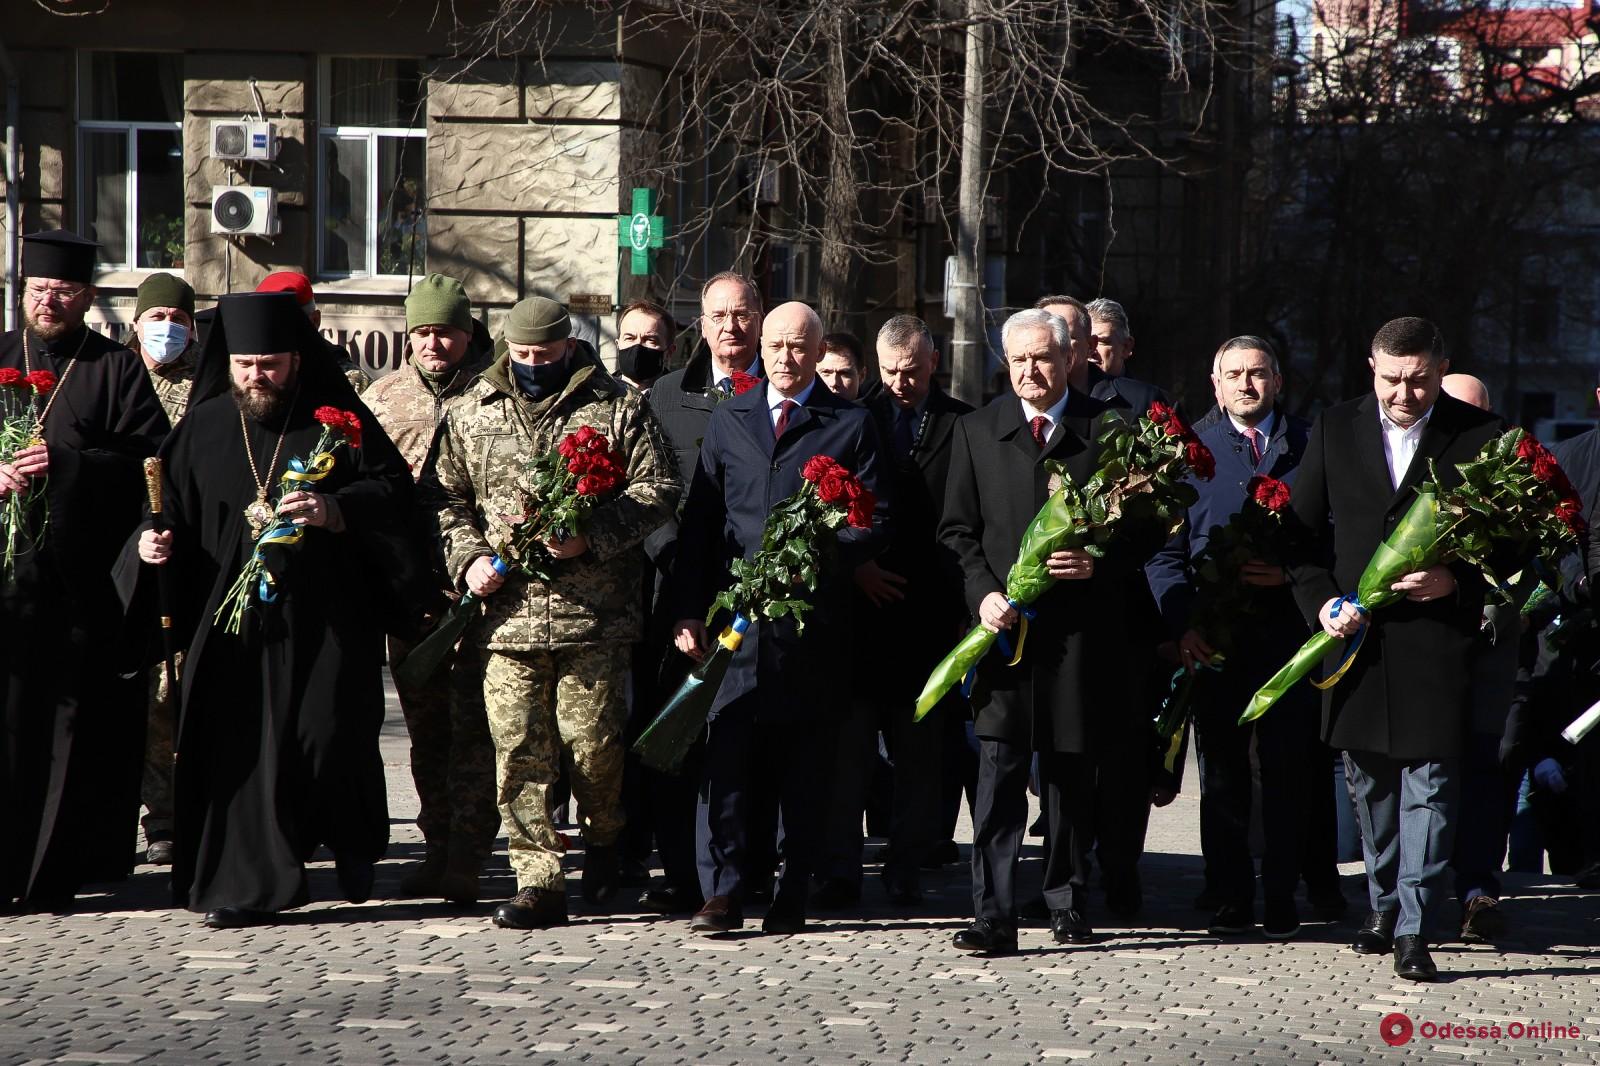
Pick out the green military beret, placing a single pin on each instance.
(164, 290)
(537, 320)
(438, 300)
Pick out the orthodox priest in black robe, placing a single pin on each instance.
(278, 726)
(72, 729)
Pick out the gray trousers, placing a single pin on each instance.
(1407, 812)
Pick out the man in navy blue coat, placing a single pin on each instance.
(772, 718)
(1250, 437)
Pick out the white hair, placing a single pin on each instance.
(1110, 312)
(1055, 325)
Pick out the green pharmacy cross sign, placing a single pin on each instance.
(643, 231)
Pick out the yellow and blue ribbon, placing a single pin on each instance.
(284, 531)
(1354, 601)
(1004, 644)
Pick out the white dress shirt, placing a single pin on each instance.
(1400, 445)
(718, 375)
(775, 401)
(1052, 416)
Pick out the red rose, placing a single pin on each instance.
(580, 464)
(1570, 511)
(818, 467)
(42, 381)
(1159, 413)
(1528, 448)
(588, 485)
(568, 447)
(1269, 492)
(584, 435)
(330, 416)
(834, 488)
(1545, 467)
(742, 382)
(1200, 461)
(860, 512)
(11, 376)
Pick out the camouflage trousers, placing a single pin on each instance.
(452, 757)
(160, 753)
(548, 708)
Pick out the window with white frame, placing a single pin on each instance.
(371, 166)
(130, 158)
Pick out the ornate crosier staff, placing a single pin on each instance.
(152, 488)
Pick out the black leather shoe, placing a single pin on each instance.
(1376, 935)
(1070, 927)
(602, 870)
(158, 853)
(1232, 920)
(784, 918)
(1482, 922)
(532, 908)
(902, 887)
(719, 915)
(355, 879)
(670, 900)
(1282, 920)
(1412, 961)
(236, 918)
(984, 937)
(833, 894)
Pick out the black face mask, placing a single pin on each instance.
(639, 363)
(542, 380)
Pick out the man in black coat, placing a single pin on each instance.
(730, 334)
(1400, 712)
(1129, 397)
(772, 717)
(1077, 668)
(909, 613)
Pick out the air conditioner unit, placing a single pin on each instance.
(244, 210)
(239, 139)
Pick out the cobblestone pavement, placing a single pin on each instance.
(127, 979)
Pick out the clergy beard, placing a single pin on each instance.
(264, 402)
(53, 331)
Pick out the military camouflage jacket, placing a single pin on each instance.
(478, 486)
(172, 383)
(409, 410)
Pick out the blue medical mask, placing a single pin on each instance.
(164, 341)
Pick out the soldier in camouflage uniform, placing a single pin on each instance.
(163, 335)
(452, 757)
(556, 655)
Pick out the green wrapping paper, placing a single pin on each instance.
(1059, 525)
(1413, 546)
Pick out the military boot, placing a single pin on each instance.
(459, 883)
(424, 878)
(532, 908)
(602, 873)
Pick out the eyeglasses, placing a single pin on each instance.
(44, 294)
(740, 318)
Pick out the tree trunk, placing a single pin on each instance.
(839, 201)
(967, 355)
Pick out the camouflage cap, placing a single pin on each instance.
(537, 320)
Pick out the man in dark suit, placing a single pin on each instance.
(1249, 436)
(771, 720)
(1400, 713)
(909, 612)
(1125, 785)
(730, 334)
(1077, 666)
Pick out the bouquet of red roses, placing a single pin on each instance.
(255, 578)
(1514, 502)
(1139, 485)
(773, 583)
(564, 485)
(19, 428)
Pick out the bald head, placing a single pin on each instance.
(1467, 389)
(791, 347)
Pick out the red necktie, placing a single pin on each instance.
(783, 418)
(1254, 437)
(1041, 429)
